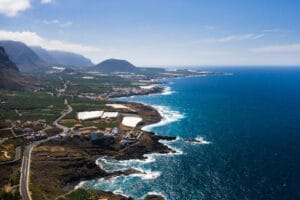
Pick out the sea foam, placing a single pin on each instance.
(202, 140)
(168, 116)
(167, 91)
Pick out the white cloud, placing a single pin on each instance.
(12, 7)
(33, 39)
(250, 36)
(287, 48)
(58, 22)
(46, 1)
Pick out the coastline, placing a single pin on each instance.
(84, 156)
(75, 161)
(147, 156)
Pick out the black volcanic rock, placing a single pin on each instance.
(26, 59)
(154, 197)
(62, 57)
(115, 65)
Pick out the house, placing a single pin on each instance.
(115, 131)
(28, 131)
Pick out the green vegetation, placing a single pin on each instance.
(101, 124)
(10, 176)
(6, 133)
(100, 84)
(82, 194)
(9, 147)
(30, 106)
(5, 195)
(53, 131)
(80, 105)
(79, 194)
(51, 81)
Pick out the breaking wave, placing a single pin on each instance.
(168, 116)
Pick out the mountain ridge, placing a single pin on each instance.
(10, 77)
(25, 58)
(62, 57)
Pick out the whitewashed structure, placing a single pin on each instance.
(89, 115)
(131, 121)
(96, 115)
(106, 115)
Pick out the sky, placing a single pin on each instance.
(161, 32)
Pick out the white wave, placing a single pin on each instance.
(156, 193)
(111, 165)
(167, 91)
(168, 116)
(203, 141)
(118, 191)
(200, 140)
(80, 185)
(147, 175)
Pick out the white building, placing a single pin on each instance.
(106, 115)
(89, 115)
(131, 121)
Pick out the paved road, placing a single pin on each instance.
(24, 190)
(55, 123)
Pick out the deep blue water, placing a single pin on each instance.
(252, 121)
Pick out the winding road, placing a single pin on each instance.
(25, 168)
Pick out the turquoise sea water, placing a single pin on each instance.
(251, 122)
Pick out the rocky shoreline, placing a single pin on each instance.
(73, 161)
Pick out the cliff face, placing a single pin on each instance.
(26, 59)
(5, 62)
(10, 77)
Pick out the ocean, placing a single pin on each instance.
(250, 120)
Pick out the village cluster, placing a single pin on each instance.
(110, 135)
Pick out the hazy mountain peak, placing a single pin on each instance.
(115, 65)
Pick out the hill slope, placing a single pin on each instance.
(43, 54)
(26, 59)
(115, 65)
(62, 57)
(10, 77)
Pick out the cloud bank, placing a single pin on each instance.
(46, 1)
(11, 8)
